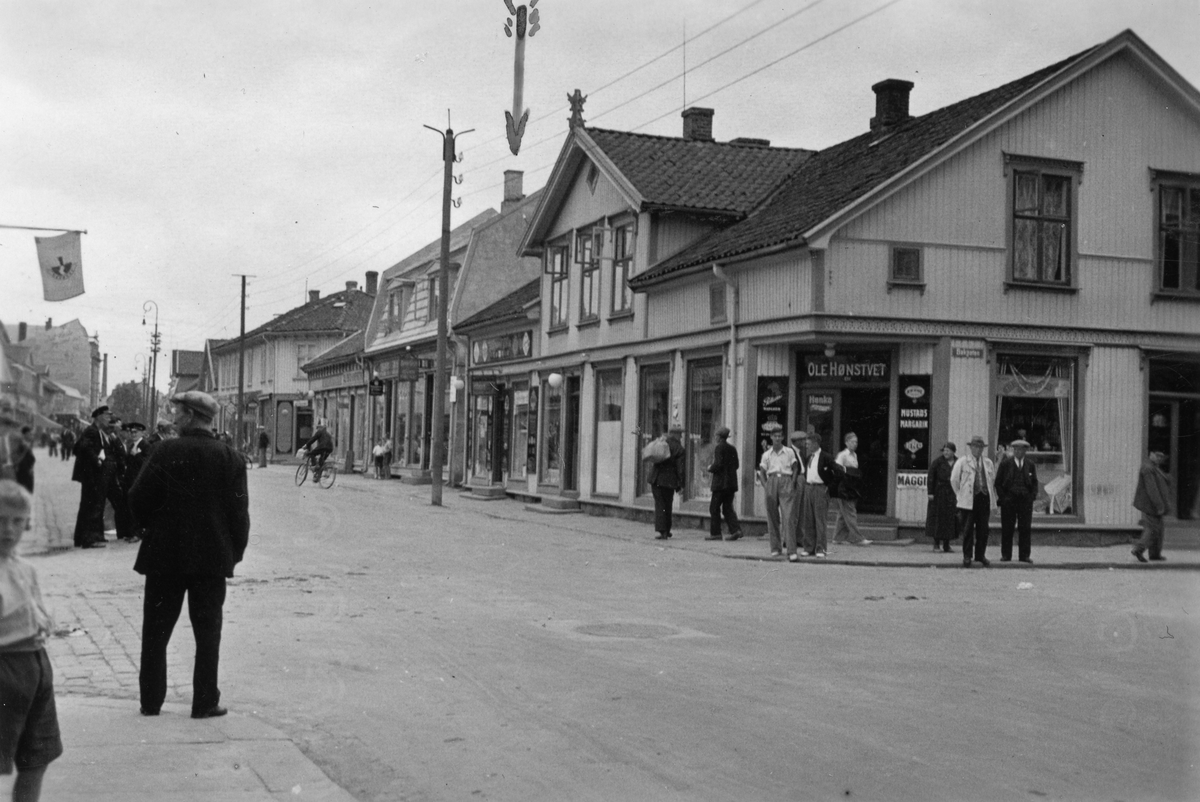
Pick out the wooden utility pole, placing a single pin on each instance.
(438, 449)
(237, 442)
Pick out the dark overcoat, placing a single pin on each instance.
(1016, 484)
(87, 450)
(670, 472)
(191, 498)
(724, 467)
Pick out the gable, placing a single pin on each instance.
(581, 206)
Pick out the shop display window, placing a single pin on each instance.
(610, 399)
(551, 435)
(518, 467)
(704, 416)
(1035, 401)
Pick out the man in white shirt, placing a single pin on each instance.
(849, 491)
(777, 471)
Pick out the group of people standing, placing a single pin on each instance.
(109, 454)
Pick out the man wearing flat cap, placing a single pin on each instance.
(1016, 487)
(724, 470)
(191, 498)
(974, 481)
(91, 452)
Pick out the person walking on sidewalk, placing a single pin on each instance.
(665, 478)
(849, 491)
(264, 443)
(191, 497)
(724, 470)
(777, 471)
(29, 734)
(1152, 500)
(974, 482)
(821, 476)
(93, 478)
(1017, 487)
(66, 444)
(941, 514)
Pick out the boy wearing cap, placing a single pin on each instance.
(29, 735)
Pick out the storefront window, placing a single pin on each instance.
(1035, 402)
(610, 399)
(654, 414)
(551, 435)
(482, 436)
(520, 429)
(401, 436)
(704, 416)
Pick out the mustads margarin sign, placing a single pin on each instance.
(912, 424)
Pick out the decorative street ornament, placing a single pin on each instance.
(515, 120)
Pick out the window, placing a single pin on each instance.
(1179, 235)
(262, 363)
(1035, 401)
(556, 266)
(304, 354)
(716, 302)
(1043, 213)
(610, 402)
(434, 297)
(588, 259)
(551, 435)
(622, 296)
(906, 266)
(704, 416)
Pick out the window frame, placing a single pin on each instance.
(1072, 171)
(893, 280)
(622, 268)
(718, 315)
(559, 295)
(589, 272)
(1189, 183)
(431, 297)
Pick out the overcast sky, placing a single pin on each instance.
(284, 139)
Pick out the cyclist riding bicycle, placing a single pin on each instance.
(319, 446)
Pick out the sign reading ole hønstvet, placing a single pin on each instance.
(848, 368)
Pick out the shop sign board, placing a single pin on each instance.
(856, 368)
(905, 480)
(771, 409)
(968, 352)
(498, 349)
(912, 424)
(376, 387)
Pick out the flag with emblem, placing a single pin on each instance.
(62, 270)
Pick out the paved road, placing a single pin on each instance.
(480, 651)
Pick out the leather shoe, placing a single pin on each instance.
(146, 712)
(713, 537)
(734, 536)
(1158, 557)
(966, 563)
(95, 544)
(213, 712)
(1140, 556)
(1006, 559)
(661, 536)
(984, 561)
(1026, 560)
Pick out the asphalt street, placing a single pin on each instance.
(482, 651)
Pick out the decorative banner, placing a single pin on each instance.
(912, 427)
(61, 264)
(771, 409)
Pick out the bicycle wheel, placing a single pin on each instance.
(301, 473)
(328, 476)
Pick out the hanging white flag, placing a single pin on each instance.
(62, 268)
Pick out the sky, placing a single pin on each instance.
(285, 140)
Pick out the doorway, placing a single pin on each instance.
(570, 456)
(1174, 429)
(654, 411)
(835, 412)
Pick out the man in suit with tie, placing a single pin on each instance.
(90, 472)
(1016, 487)
(820, 477)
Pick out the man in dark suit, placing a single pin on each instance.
(191, 498)
(724, 485)
(665, 479)
(1017, 487)
(1153, 500)
(116, 464)
(89, 471)
(820, 477)
(135, 457)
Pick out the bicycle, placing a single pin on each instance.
(324, 477)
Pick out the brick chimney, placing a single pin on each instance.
(372, 282)
(513, 193)
(314, 296)
(891, 104)
(351, 285)
(22, 331)
(697, 124)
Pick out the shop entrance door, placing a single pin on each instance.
(499, 433)
(653, 413)
(835, 412)
(570, 457)
(1175, 431)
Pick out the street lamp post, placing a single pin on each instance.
(154, 341)
(142, 406)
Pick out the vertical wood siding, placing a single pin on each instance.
(777, 286)
(582, 208)
(916, 358)
(970, 391)
(673, 233)
(1114, 120)
(774, 360)
(1111, 435)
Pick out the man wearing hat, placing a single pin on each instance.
(191, 498)
(135, 456)
(974, 481)
(724, 470)
(1016, 487)
(90, 455)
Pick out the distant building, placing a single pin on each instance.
(69, 355)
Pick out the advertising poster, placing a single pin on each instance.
(771, 409)
(532, 446)
(912, 424)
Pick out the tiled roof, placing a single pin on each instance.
(839, 175)
(510, 306)
(340, 351)
(674, 173)
(344, 311)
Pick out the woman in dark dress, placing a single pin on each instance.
(941, 517)
(665, 479)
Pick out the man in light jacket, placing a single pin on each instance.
(974, 483)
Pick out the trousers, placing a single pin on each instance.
(1016, 513)
(781, 513)
(814, 518)
(160, 611)
(722, 505)
(664, 500)
(973, 526)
